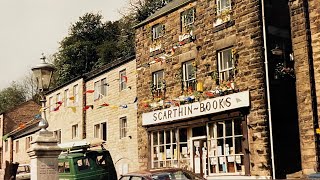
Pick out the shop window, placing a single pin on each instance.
(225, 147)
(100, 131)
(123, 127)
(157, 31)
(189, 76)
(187, 20)
(225, 65)
(123, 80)
(28, 141)
(57, 135)
(164, 149)
(75, 131)
(157, 79)
(184, 152)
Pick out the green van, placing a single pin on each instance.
(81, 162)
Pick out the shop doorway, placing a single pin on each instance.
(199, 153)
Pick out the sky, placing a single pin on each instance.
(29, 28)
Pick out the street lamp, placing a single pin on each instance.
(43, 73)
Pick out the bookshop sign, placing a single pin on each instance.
(209, 106)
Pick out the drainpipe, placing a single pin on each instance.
(267, 87)
(312, 79)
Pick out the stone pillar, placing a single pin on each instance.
(44, 154)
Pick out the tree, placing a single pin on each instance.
(88, 45)
(11, 96)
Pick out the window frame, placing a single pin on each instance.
(103, 88)
(157, 31)
(75, 93)
(51, 107)
(98, 131)
(123, 124)
(220, 9)
(188, 82)
(28, 141)
(66, 97)
(184, 16)
(75, 131)
(225, 74)
(122, 82)
(57, 134)
(17, 146)
(157, 81)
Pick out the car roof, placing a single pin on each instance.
(149, 172)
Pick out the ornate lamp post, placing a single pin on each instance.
(43, 73)
(44, 150)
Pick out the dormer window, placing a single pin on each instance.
(187, 19)
(157, 31)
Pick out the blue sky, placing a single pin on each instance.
(32, 27)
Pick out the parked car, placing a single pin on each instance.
(162, 174)
(23, 172)
(82, 160)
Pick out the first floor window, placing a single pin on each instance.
(157, 79)
(225, 65)
(123, 80)
(51, 107)
(100, 131)
(187, 19)
(158, 31)
(66, 97)
(75, 93)
(189, 75)
(75, 130)
(123, 127)
(57, 134)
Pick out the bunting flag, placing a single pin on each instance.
(89, 91)
(59, 102)
(43, 109)
(71, 98)
(73, 108)
(114, 107)
(37, 116)
(22, 125)
(87, 107)
(125, 78)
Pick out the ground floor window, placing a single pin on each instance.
(209, 149)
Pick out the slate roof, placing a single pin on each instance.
(171, 6)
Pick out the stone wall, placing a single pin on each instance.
(64, 117)
(123, 150)
(243, 33)
(304, 99)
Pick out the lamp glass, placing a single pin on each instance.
(43, 77)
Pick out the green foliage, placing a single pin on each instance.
(90, 44)
(11, 96)
(144, 8)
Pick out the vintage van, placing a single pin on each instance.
(83, 160)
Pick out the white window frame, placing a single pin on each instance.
(213, 142)
(75, 131)
(188, 77)
(99, 131)
(103, 89)
(225, 73)
(219, 4)
(157, 80)
(97, 90)
(123, 83)
(76, 93)
(58, 97)
(51, 107)
(17, 146)
(123, 127)
(160, 149)
(187, 19)
(66, 97)
(157, 31)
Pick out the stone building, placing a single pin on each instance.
(203, 89)
(305, 34)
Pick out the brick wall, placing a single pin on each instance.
(244, 34)
(300, 49)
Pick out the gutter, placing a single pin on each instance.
(268, 87)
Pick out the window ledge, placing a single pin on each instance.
(223, 25)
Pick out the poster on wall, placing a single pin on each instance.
(197, 165)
